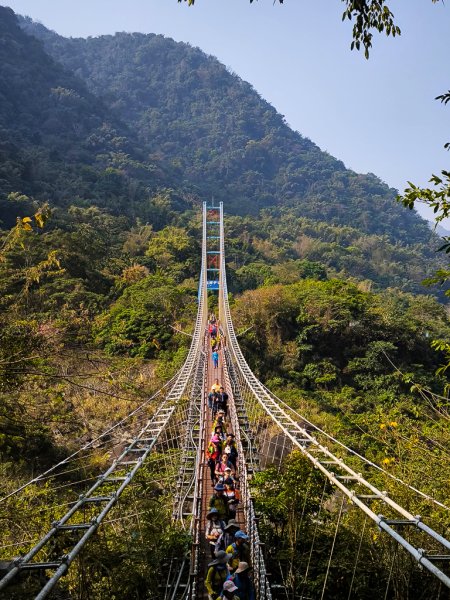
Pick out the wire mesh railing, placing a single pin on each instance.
(279, 431)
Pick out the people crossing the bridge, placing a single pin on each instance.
(212, 402)
(245, 588)
(216, 386)
(220, 421)
(223, 468)
(227, 543)
(230, 448)
(214, 334)
(217, 575)
(222, 400)
(232, 495)
(229, 589)
(239, 550)
(214, 530)
(227, 538)
(213, 453)
(219, 432)
(219, 502)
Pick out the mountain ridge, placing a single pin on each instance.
(246, 136)
(173, 119)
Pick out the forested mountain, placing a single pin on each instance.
(107, 148)
(58, 141)
(217, 138)
(224, 139)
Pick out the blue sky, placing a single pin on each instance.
(377, 116)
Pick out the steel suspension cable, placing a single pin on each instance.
(357, 557)
(122, 470)
(355, 453)
(341, 474)
(332, 548)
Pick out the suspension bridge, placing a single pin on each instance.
(174, 426)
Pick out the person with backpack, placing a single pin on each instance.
(230, 449)
(220, 420)
(214, 529)
(227, 538)
(222, 401)
(217, 575)
(219, 502)
(239, 550)
(213, 453)
(215, 357)
(245, 588)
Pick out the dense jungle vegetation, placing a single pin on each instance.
(108, 146)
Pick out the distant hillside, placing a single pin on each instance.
(58, 141)
(224, 139)
(116, 120)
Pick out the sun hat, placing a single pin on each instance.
(221, 558)
(243, 566)
(229, 586)
(240, 535)
(227, 468)
(219, 487)
(232, 523)
(212, 512)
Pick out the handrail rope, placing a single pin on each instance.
(244, 487)
(165, 410)
(275, 399)
(306, 437)
(355, 453)
(263, 586)
(191, 588)
(420, 557)
(190, 424)
(381, 521)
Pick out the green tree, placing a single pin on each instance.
(139, 322)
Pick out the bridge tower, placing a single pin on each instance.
(212, 227)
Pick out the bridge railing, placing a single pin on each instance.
(160, 435)
(279, 430)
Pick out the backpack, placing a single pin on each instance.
(220, 544)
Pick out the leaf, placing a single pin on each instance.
(39, 218)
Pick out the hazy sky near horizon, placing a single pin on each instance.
(376, 116)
